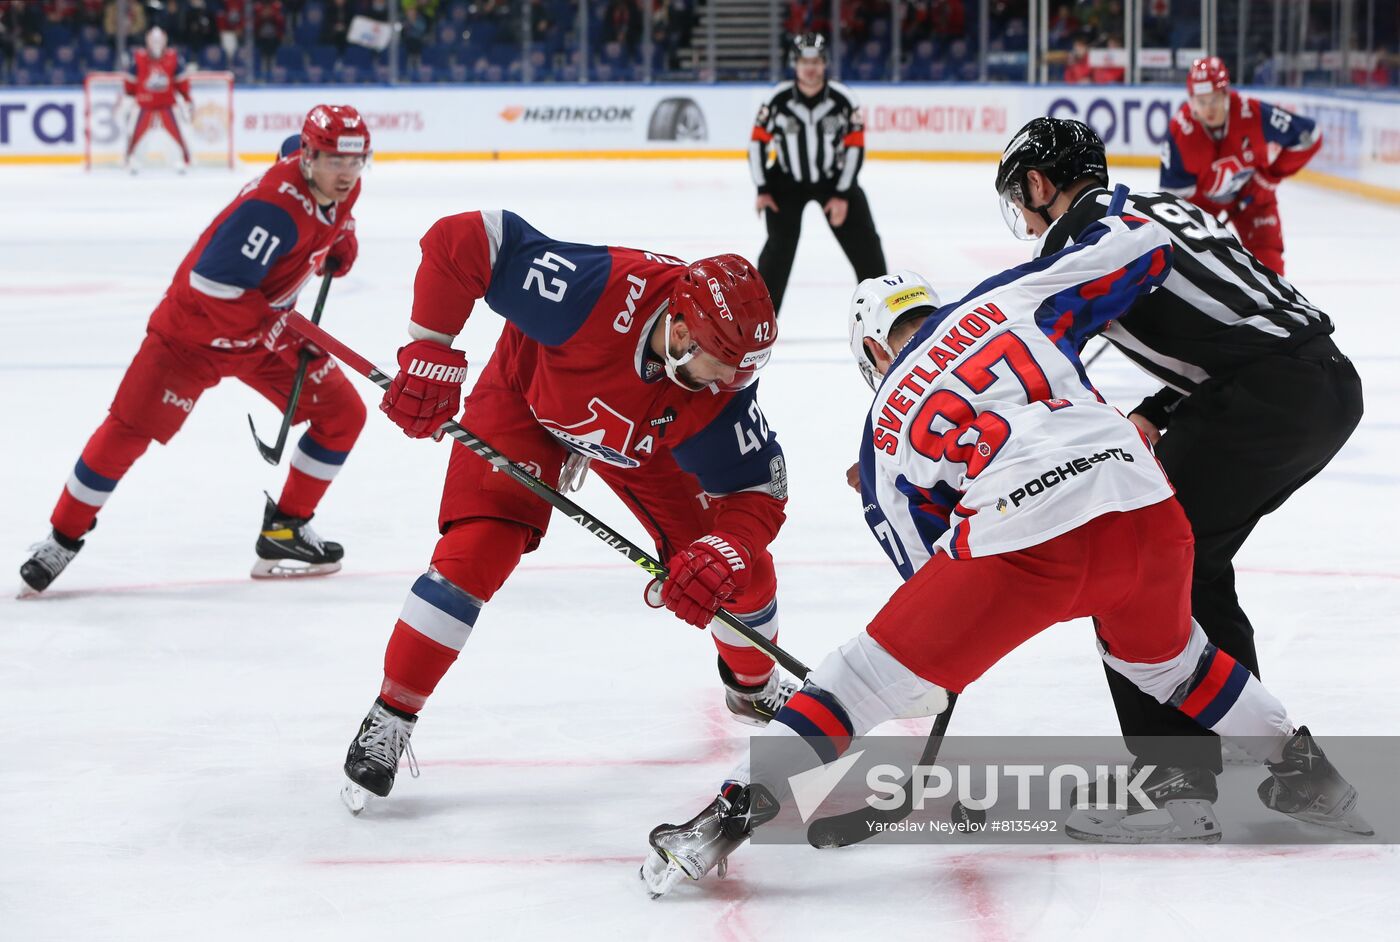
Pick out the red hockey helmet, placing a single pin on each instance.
(726, 307)
(335, 129)
(1207, 75)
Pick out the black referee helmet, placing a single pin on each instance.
(808, 46)
(1066, 151)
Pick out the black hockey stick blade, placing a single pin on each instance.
(272, 454)
(1096, 354)
(852, 827)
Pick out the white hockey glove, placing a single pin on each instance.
(575, 470)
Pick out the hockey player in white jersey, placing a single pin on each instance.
(1011, 497)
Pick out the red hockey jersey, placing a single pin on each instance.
(157, 80)
(1260, 144)
(250, 264)
(597, 387)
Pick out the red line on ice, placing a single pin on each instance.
(591, 567)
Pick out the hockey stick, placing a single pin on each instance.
(852, 827)
(316, 335)
(274, 454)
(1096, 354)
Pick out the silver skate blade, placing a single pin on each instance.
(290, 569)
(1138, 834)
(660, 874)
(354, 797)
(748, 720)
(1192, 821)
(1350, 823)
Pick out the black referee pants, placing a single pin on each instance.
(1235, 450)
(857, 235)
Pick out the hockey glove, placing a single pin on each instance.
(428, 390)
(705, 575)
(344, 250)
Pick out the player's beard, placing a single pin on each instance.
(686, 377)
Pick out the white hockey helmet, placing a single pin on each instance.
(156, 40)
(878, 305)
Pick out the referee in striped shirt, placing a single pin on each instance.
(1256, 400)
(813, 128)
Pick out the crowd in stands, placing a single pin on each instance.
(938, 39)
(56, 42)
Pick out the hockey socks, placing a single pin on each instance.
(108, 455)
(314, 466)
(1216, 691)
(750, 666)
(815, 715)
(436, 620)
(1224, 697)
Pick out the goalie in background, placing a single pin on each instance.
(155, 86)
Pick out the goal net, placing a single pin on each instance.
(207, 126)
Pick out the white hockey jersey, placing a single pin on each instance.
(985, 435)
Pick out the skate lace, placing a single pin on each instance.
(312, 537)
(780, 694)
(386, 739)
(51, 555)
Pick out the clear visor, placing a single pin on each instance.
(1013, 217)
(340, 163)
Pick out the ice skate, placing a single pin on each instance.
(373, 759)
(756, 705)
(288, 548)
(1305, 785)
(705, 842)
(1184, 812)
(49, 557)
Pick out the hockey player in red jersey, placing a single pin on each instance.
(634, 361)
(1225, 152)
(155, 85)
(222, 317)
(1010, 497)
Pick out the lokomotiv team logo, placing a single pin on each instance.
(1229, 177)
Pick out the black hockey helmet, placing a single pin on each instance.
(1066, 151)
(808, 46)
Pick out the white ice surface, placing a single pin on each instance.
(172, 735)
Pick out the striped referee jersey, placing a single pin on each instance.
(1220, 307)
(815, 141)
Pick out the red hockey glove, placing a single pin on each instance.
(1262, 189)
(705, 575)
(428, 390)
(344, 250)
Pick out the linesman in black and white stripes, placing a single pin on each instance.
(1257, 399)
(808, 143)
